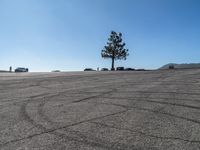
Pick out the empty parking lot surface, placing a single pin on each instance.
(100, 110)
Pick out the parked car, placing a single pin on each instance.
(56, 71)
(120, 69)
(89, 69)
(129, 69)
(171, 67)
(104, 69)
(20, 69)
(140, 70)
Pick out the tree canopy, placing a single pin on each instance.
(115, 48)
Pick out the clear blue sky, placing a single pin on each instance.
(45, 35)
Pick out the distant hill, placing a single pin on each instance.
(181, 66)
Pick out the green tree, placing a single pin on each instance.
(115, 48)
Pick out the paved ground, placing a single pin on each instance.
(100, 110)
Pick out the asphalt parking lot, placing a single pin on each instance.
(100, 110)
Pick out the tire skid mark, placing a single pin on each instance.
(157, 102)
(101, 143)
(149, 135)
(53, 130)
(86, 141)
(16, 101)
(40, 108)
(195, 84)
(152, 98)
(153, 111)
(38, 96)
(153, 92)
(93, 142)
(26, 117)
(96, 96)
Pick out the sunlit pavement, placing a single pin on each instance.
(100, 110)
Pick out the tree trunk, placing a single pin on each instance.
(113, 64)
